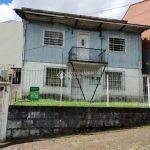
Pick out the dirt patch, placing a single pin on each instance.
(126, 139)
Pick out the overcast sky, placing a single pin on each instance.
(101, 8)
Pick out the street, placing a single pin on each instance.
(126, 139)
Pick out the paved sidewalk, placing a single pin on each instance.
(127, 139)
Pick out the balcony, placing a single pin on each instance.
(87, 55)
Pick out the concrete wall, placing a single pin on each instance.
(11, 43)
(35, 51)
(26, 122)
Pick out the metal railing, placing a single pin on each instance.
(87, 54)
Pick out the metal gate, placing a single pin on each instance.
(146, 89)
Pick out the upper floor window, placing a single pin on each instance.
(53, 38)
(117, 44)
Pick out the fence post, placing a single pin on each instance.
(4, 110)
(148, 91)
(61, 76)
(107, 91)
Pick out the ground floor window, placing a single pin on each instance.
(116, 80)
(52, 78)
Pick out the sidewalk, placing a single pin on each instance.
(127, 139)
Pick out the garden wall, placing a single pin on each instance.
(37, 121)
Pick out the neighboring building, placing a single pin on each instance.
(80, 44)
(139, 13)
(11, 44)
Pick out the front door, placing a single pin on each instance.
(83, 44)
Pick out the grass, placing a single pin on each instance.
(50, 102)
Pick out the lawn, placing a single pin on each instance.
(50, 102)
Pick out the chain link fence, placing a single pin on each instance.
(85, 85)
(79, 85)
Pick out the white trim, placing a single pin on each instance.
(84, 33)
(45, 72)
(119, 52)
(53, 45)
(122, 79)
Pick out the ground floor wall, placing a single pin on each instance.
(24, 122)
(126, 84)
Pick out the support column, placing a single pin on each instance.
(4, 110)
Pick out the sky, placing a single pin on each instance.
(100, 8)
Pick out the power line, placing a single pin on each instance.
(139, 14)
(33, 48)
(144, 20)
(111, 9)
(108, 7)
(92, 13)
(73, 37)
(101, 10)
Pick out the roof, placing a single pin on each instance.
(79, 21)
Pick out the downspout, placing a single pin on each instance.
(139, 64)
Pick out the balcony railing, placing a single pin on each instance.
(87, 54)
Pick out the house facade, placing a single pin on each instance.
(86, 49)
(139, 13)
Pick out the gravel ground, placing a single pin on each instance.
(126, 139)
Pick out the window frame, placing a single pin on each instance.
(54, 45)
(122, 52)
(78, 39)
(122, 80)
(54, 67)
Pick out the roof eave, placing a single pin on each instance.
(23, 11)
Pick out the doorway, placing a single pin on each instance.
(83, 52)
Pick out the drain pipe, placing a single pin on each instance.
(148, 91)
(107, 90)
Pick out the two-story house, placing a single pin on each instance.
(86, 49)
